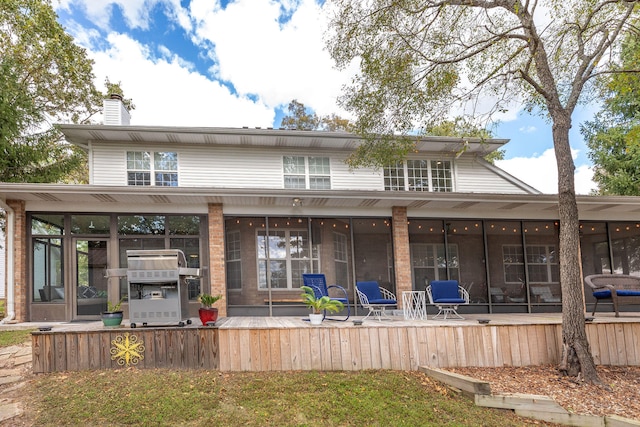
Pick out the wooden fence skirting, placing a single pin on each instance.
(176, 348)
(296, 345)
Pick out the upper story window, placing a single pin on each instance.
(312, 173)
(419, 175)
(152, 168)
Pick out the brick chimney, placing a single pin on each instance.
(114, 111)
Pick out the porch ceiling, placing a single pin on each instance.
(457, 204)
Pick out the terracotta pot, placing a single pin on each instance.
(208, 314)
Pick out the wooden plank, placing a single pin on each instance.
(83, 346)
(462, 382)
(503, 350)
(523, 339)
(498, 358)
(60, 357)
(385, 352)
(431, 342)
(274, 345)
(360, 348)
(620, 348)
(592, 337)
(254, 349)
(632, 340)
(514, 345)
(605, 359)
(423, 347)
(365, 348)
(313, 346)
(285, 349)
(450, 347)
(336, 354)
(376, 352)
(234, 350)
(466, 351)
(265, 352)
(296, 350)
(245, 356)
(160, 348)
(413, 348)
(39, 362)
(345, 349)
(403, 348)
(304, 339)
(325, 349)
(213, 346)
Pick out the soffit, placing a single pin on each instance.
(424, 204)
(84, 134)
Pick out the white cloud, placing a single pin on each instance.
(541, 172)
(528, 129)
(167, 93)
(261, 56)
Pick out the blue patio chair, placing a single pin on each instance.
(447, 295)
(318, 282)
(375, 298)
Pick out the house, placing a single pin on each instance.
(254, 209)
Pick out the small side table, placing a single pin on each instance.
(414, 305)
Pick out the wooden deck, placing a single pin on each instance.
(288, 343)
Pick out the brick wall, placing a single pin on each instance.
(217, 273)
(401, 251)
(20, 259)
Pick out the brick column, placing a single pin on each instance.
(19, 259)
(217, 274)
(402, 259)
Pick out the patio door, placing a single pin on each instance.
(90, 284)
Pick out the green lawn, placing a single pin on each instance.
(206, 398)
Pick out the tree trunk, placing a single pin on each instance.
(576, 358)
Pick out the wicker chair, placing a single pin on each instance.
(619, 288)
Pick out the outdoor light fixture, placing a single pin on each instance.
(297, 201)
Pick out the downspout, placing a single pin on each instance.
(9, 273)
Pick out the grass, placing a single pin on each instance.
(139, 397)
(8, 338)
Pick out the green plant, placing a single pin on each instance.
(111, 308)
(208, 300)
(319, 304)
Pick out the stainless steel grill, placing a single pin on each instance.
(156, 285)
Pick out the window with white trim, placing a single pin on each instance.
(419, 175)
(158, 168)
(312, 173)
(287, 255)
(542, 264)
(341, 258)
(234, 260)
(430, 261)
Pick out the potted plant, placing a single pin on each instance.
(112, 317)
(208, 314)
(319, 305)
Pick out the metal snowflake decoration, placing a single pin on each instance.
(127, 350)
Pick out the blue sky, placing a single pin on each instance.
(240, 63)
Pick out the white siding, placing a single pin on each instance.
(254, 167)
(475, 177)
(227, 167)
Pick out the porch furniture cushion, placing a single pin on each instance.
(621, 289)
(318, 282)
(375, 298)
(447, 295)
